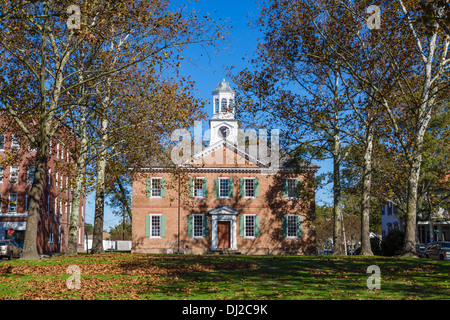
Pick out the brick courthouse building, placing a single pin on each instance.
(16, 178)
(226, 199)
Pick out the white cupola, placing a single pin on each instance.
(223, 125)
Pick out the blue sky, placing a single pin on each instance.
(207, 70)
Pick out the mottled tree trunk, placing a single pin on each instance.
(366, 248)
(97, 241)
(337, 202)
(77, 190)
(30, 251)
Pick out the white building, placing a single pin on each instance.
(438, 229)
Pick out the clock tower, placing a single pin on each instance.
(223, 124)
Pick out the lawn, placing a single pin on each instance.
(212, 277)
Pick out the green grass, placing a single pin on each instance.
(129, 276)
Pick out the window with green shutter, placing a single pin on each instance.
(292, 226)
(198, 187)
(289, 188)
(249, 226)
(249, 187)
(223, 187)
(156, 187)
(155, 226)
(198, 226)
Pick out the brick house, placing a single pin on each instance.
(224, 198)
(15, 183)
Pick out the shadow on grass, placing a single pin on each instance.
(297, 277)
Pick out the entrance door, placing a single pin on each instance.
(223, 234)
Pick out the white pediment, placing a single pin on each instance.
(224, 210)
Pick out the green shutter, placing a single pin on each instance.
(241, 226)
(163, 226)
(242, 187)
(231, 188)
(205, 225)
(163, 187)
(149, 187)
(191, 187)
(299, 226)
(256, 186)
(190, 225)
(205, 187)
(284, 191)
(297, 193)
(147, 226)
(216, 187)
(257, 226)
(284, 226)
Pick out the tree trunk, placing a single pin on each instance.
(30, 251)
(366, 248)
(97, 241)
(337, 203)
(77, 191)
(409, 249)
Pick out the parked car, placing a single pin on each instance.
(420, 249)
(438, 250)
(10, 249)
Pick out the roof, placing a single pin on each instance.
(223, 86)
(286, 162)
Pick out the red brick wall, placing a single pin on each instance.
(270, 206)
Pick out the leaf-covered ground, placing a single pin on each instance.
(141, 276)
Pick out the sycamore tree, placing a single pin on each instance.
(394, 55)
(298, 82)
(40, 80)
(412, 56)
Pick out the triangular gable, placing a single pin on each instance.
(224, 153)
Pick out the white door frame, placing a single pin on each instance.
(224, 213)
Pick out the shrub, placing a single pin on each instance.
(392, 244)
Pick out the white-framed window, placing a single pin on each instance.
(49, 177)
(15, 143)
(216, 105)
(156, 187)
(224, 187)
(30, 174)
(48, 204)
(12, 208)
(291, 185)
(197, 227)
(155, 226)
(2, 142)
(223, 105)
(249, 226)
(198, 187)
(1, 174)
(57, 151)
(50, 238)
(14, 175)
(292, 225)
(249, 187)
